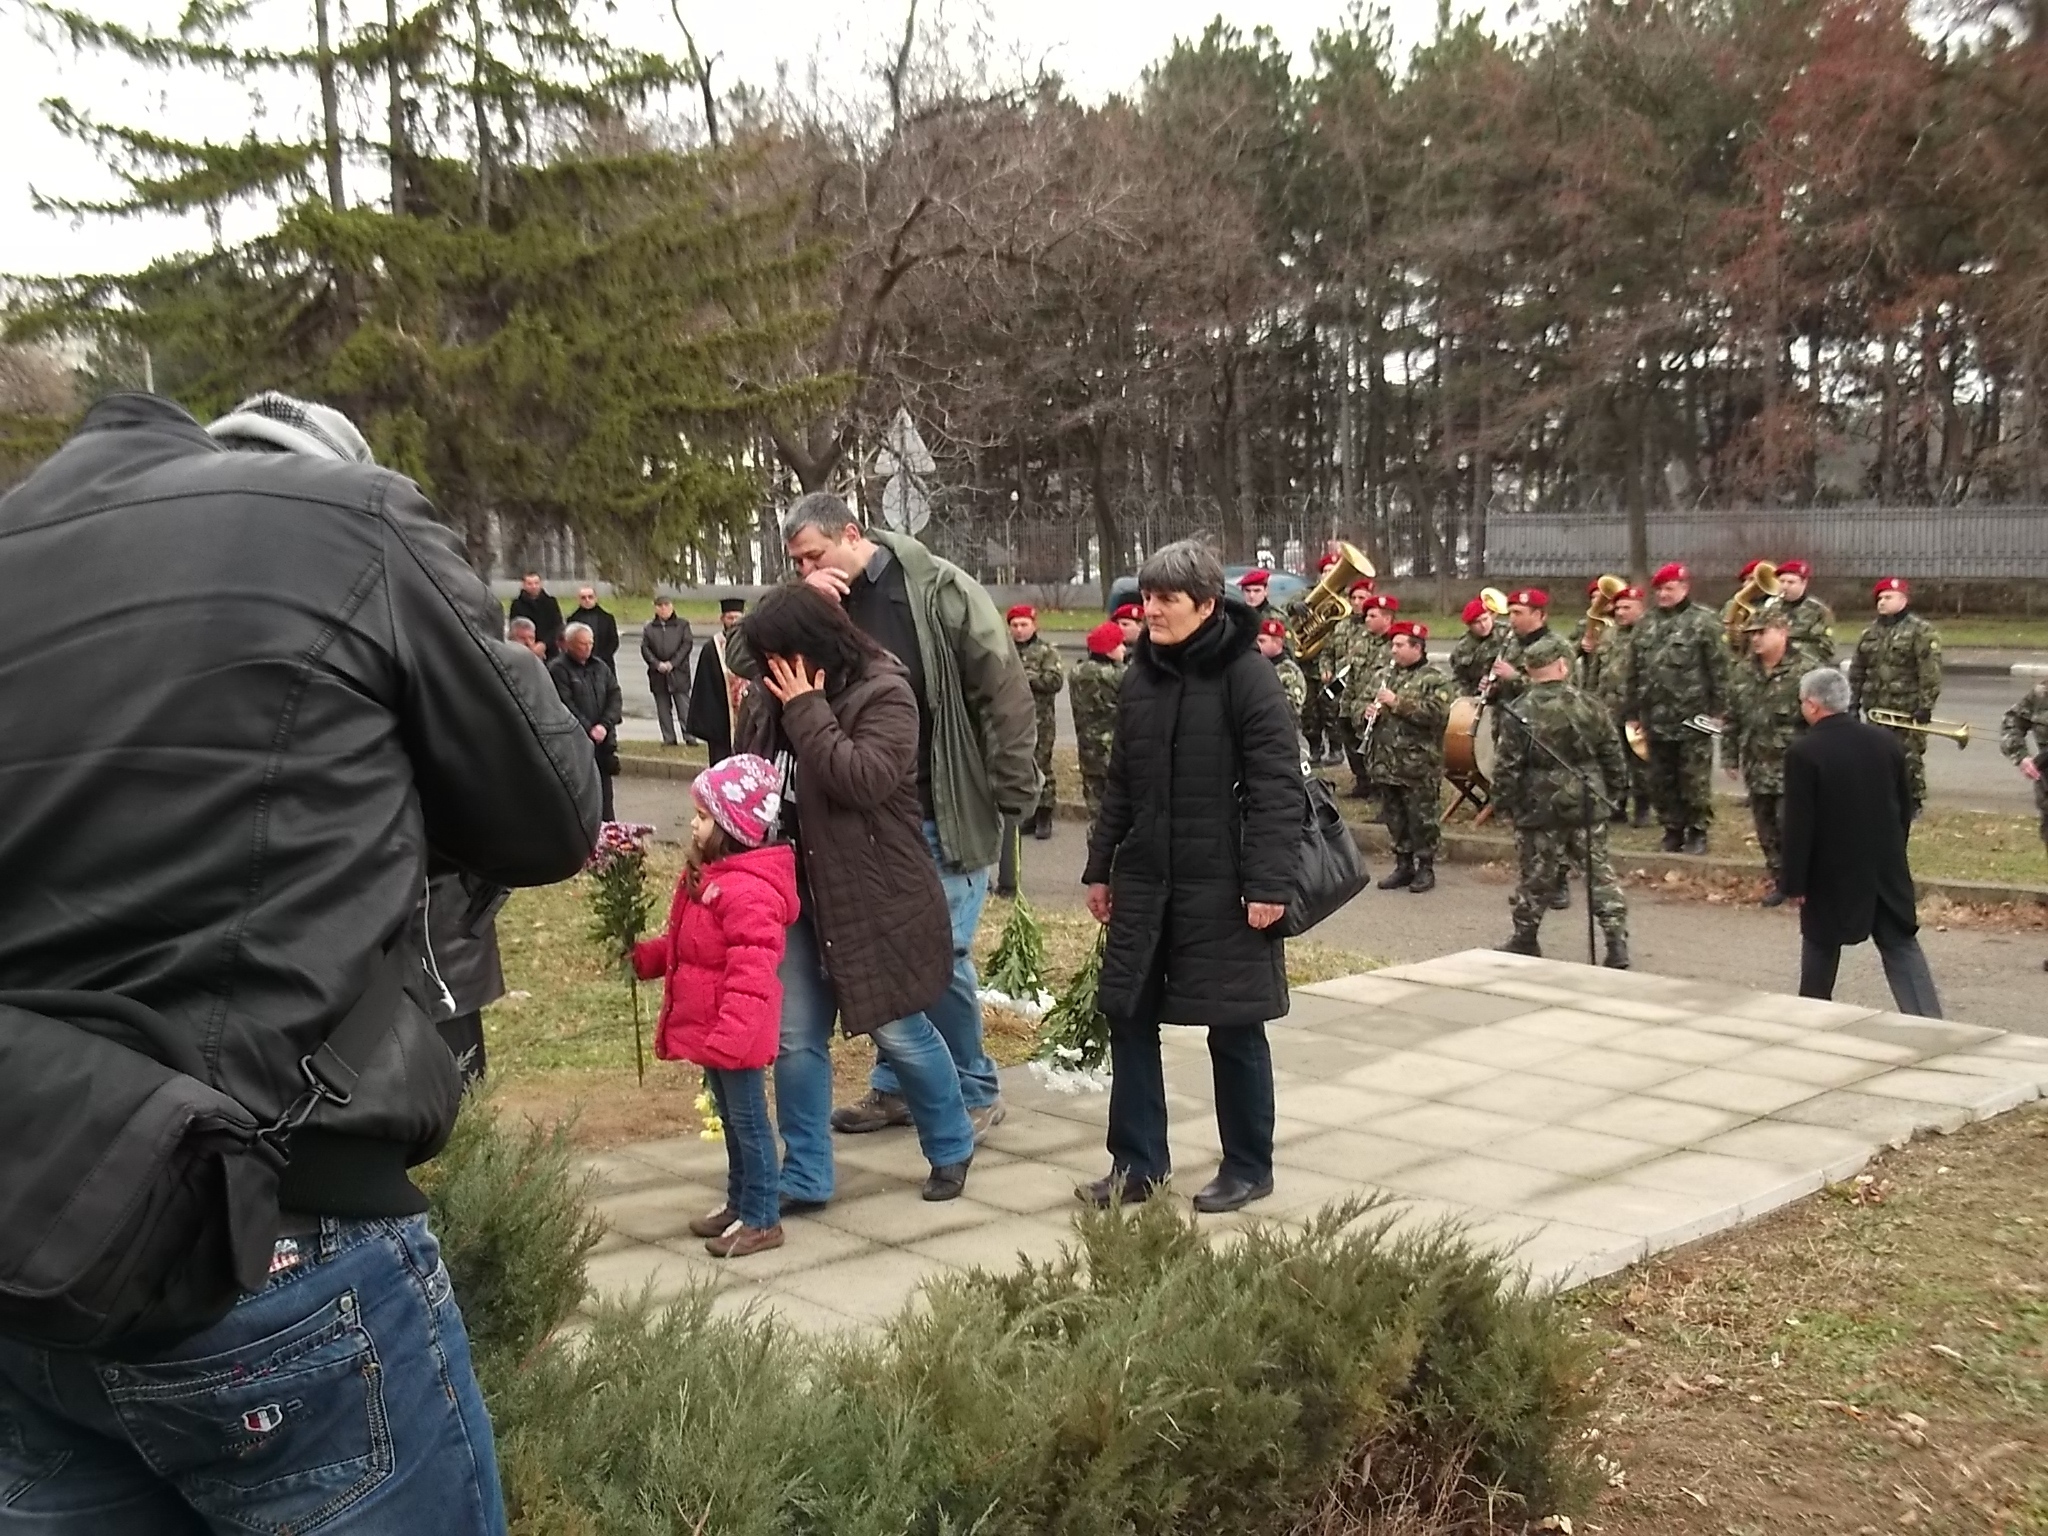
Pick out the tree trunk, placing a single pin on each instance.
(479, 40)
(330, 108)
(1108, 536)
(399, 152)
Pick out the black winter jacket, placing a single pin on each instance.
(590, 689)
(604, 632)
(1201, 814)
(1848, 811)
(233, 833)
(545, 614)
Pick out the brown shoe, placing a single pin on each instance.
(741, 1241)
(877, 1111)
(714, 1224)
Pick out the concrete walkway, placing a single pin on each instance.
(1581, 1118)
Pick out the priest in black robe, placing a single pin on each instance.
(715, 691)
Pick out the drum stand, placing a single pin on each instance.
(1470, 792)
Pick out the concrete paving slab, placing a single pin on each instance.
(1574, 1118)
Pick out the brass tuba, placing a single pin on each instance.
(1759, 589)
(1600, 611)
(1329, 601)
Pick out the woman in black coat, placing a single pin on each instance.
(1191, 863)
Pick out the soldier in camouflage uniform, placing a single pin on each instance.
(1130, 623)
(1042, 670)
(1273, 646)
(1628, 613)
(1354, 656)
(1093, 685)
(1473, 656)
(1546, 803)
(1677, 668)
(2028, 718)
(1528, 621)
(1808, 620)
(1405, 755)
(1600, 667)
(1898, 666)
(1765, 693)
(1319, 715)
(1738, 638)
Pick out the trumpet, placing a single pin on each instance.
(1329, 602)
(1706, 725)
(1957, 731)
(1760, 588)
(1600, 611)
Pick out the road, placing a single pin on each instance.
(1985, 977)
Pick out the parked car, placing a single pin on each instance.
(1283, 589)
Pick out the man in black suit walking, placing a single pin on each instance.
(1847, 812)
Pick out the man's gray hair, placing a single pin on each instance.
(519, 629)
(1186, 565)
(1826, 687)
(578, 629)
(820, 510)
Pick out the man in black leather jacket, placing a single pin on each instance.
(237, 835)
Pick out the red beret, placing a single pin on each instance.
(1104, 638)
(1326, 562)
(1797, 568)
(1277, 628)
(1255, 578)
(1672, 572)
(1529, 597)
(1132, 611)
(1362, 585)
(1022, 611)
(1889, 584)
(1593, 587)
(1473, 610)
(1383, 600)
(1634, 592)
(1745, 573)
(1410, 628)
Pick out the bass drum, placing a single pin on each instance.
(1469, 745)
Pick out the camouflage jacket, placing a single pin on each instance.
(1370, 657)
(1530, 789)
(1603, 672)
(1407, 744)
(1809, 621)
(1511, 648)
(1350, 641)
(1897, 665)
(1042, 670)
(1471, 659)
(1678, 666)
(1095, 681)
(1766, 717)
(2027, 718)
(1293, 683)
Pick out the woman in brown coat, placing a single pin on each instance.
(873, 943)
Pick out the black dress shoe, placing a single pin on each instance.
(1112, 1189)
(947, 1182)
(1227, 1192)
(1773, 897)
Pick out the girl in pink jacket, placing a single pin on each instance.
(721, 1001)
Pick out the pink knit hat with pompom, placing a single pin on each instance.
(743, 795)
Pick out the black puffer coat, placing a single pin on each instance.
(1202, 814)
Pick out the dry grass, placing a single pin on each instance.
(1871, 1360)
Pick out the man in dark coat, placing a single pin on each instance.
(715, 696)
(591, 690)
(665, 648)
(1848, 808)
(604, 629)
(1191, 863)
(537, 605)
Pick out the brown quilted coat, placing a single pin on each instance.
(870, 884)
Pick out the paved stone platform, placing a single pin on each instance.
(1578, 1118)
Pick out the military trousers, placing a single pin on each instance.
(1319, 720)
(1414, 814)
(1767, 810)
(1048, 789)
(1915, 743)
(1094, 782)
(1682, 780)
(1546, 855)
(2041, 806)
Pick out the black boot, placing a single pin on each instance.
(1695, 841)
(1425, 875)
(1522, 942)
(1617, 952)
(1041, 827)
(1561, 898)
(1642, 812)
(1674, 839)
(1403, 873)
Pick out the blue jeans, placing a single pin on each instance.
(752, 1176)
(803, 1075)
(338, 1399)
(957, 1014)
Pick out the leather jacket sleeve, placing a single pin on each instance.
(506, 780)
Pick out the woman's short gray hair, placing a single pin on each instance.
(1827, 688)
(1186, 565)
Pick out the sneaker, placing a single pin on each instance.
(716, 1224)
(740, 1240)
(878, 1111)
(987, 1118)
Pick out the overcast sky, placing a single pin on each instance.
(1099, 46)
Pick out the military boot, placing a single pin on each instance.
(1674, 839)
(1617, 952)
(1642, 811)
(1041, 828)
(1403, 873)
(1695, 841)
(1561, 898)
(1425, 875)
(1523, 942)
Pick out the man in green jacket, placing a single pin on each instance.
(977, 728)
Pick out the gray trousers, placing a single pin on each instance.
(1905, 968)
(671, 692)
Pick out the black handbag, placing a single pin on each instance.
(1331, 870)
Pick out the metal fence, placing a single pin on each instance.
(1966, 543)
